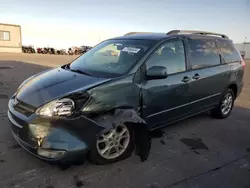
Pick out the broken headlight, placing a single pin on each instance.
(61, 107)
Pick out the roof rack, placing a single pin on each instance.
(176, 32)
(134, 33)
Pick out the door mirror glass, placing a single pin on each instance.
(157, 72)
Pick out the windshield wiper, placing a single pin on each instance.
(80, 71)
(76, 70)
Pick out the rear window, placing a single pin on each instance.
(204, 53)
(228, 51)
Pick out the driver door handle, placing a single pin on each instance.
(186, 79)
(196, 76)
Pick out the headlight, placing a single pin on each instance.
(62, 107)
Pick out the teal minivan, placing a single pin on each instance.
(94, 105)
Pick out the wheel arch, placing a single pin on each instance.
(128, 116)
(119, 116)
(234, 87)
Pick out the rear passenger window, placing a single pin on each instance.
(204, 53)
(170, 55)
(228, 51)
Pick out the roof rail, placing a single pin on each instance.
(176, 32)
(134, 33)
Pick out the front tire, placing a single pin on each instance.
(113, 145)
(224, 109)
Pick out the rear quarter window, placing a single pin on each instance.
(203, 53)
(228, 51)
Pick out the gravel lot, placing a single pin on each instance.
(197, 152)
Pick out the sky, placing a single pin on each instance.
(65, 23)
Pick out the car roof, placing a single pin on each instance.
(148, 36)
(160, 36)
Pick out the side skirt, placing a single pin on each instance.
(164, 125)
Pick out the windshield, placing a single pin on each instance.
(113, 57)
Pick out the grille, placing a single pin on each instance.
(18, 120)
(24, 108)
(23, 133)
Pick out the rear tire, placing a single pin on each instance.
(224, 109)
(96, 158)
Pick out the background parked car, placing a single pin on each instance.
(28, 49)
(40, 50)
(61, 52)
(74, 50)
(47, 50)
(243, 53)
(70, 51)
(84, 49)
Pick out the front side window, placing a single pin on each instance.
(4, 35)
(114, 57)
(204, 53)
(170, 55)
(228, 51)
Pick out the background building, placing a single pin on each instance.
(10, 38)
(244, 48)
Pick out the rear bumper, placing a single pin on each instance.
(240, 87)
(67, 139)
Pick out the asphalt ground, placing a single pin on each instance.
(197, 152)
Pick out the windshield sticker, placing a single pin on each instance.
(131, 50)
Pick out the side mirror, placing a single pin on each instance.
(157, 72)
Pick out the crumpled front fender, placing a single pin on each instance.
(118, 117)
(141, 130)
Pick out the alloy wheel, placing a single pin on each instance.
(113, 143)
(227, 103)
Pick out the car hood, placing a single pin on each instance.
(54, 84)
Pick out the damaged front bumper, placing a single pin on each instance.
(53, 139)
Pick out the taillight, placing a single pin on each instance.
(243, 63)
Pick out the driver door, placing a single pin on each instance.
(165, 100)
